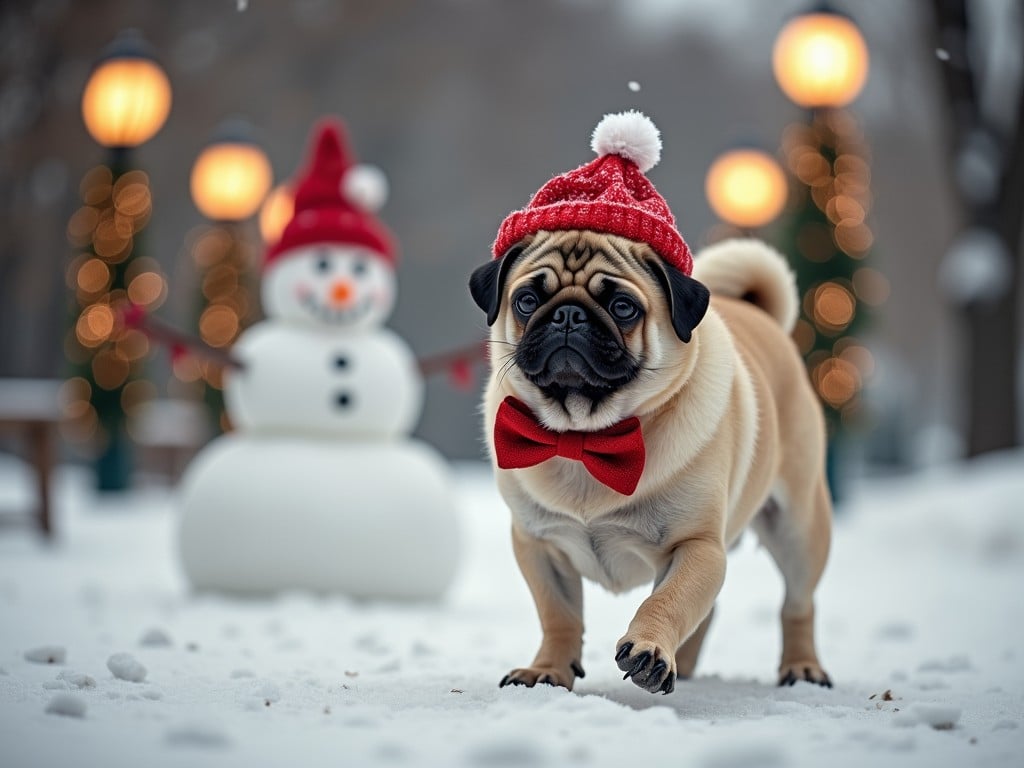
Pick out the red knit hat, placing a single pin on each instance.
(609, 194)
(334, 200)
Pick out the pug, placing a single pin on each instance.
(640, 418)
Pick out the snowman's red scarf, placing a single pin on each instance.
(614, 456)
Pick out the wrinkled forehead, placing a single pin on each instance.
(562, 260)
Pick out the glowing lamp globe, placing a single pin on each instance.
(746, 187)
(230, 179)
(276, 212)
(127, 97)
(820, 60)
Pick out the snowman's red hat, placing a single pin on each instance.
(334, 200)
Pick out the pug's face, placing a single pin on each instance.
(588, 328)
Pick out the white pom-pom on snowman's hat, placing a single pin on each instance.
(365, 186)
(631, 135)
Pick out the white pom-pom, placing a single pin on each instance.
(631, 135)
(365, 186)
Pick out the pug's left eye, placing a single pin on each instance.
(624, 309)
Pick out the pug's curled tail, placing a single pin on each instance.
(751, 270)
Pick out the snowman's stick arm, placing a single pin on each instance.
(443, 361)
(177, 341)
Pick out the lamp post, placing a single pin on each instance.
(125, 102)
(229, 181)
(746, 187)
(820, 61)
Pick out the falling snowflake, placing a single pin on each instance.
(633, 85)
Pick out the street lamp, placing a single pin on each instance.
(125, 102)
(231, 176)
(746, 187)
(229, 181)
(820, 60)
(128, 97)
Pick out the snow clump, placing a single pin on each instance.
(47, 654)
(155, 638)
(125, 667)
(66, 704)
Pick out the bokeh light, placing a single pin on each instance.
(746, 187)
(820, 60)
(126, 101)
(229, 180)
(276, 212)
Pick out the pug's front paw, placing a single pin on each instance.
(530, 676)
(647, 665)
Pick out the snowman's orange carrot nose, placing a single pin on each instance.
(342, 292)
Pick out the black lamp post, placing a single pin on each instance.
(126, 101)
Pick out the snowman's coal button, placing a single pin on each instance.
(343, 400)
(341, 362)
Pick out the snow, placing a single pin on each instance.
(156, 638)
(976, 268)
(124, 666)
(76, 679)
(46, 654)
(66, 704)
(920, 616)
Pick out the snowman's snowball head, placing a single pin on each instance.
(337, 286)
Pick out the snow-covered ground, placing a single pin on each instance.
(921, 615)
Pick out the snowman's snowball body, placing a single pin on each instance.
(271, 513)
(313, 381)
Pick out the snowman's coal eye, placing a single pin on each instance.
(323, 265)
(359, 267)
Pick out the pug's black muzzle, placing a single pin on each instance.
(568, 349)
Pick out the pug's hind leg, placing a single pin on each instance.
(557, 590)
(799, 544)
(689, 651)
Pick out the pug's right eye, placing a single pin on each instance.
(525, 303)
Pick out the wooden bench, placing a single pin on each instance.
(30, 408)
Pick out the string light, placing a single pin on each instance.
(829, 158)
(103, 278)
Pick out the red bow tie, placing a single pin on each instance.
(614, 456)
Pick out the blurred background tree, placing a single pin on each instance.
(980, 46)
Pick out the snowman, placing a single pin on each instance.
(320, 486)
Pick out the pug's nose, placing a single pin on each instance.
(568, 317)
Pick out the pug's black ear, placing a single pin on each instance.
(487, 283)
(688, 298)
